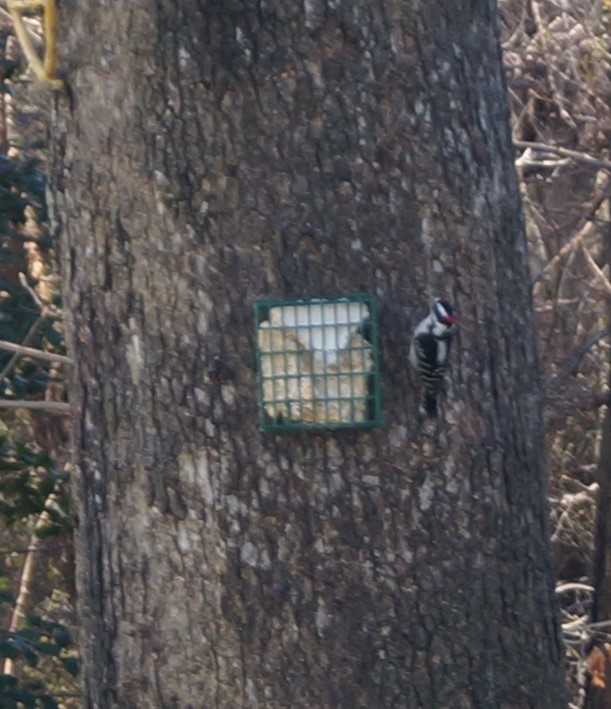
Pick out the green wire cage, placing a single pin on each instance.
(318, 363)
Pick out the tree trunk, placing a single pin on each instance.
(212, 153)
(599, 660)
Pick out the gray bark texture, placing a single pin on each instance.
(212, 152)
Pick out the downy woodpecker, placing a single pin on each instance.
(430, 348)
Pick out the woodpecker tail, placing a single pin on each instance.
(430, 403)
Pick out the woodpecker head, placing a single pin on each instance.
(443, 317)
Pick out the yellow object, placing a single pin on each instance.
(314, 364)
(43, 69)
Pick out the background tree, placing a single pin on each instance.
(557, 63)
(211, 153)
(599, 657)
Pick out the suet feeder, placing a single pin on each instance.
(318, 363)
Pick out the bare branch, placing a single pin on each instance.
(598, 274)
(13, 360)
(27, 574)
(24, 282)
(565, 153)
(571, 363)
(46, 312)
(585, 226)
(52, 407)
(32, 352)
(567, 587)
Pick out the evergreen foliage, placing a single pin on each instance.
(39, 638)
(33, 494)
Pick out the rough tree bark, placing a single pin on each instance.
(213, 152)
